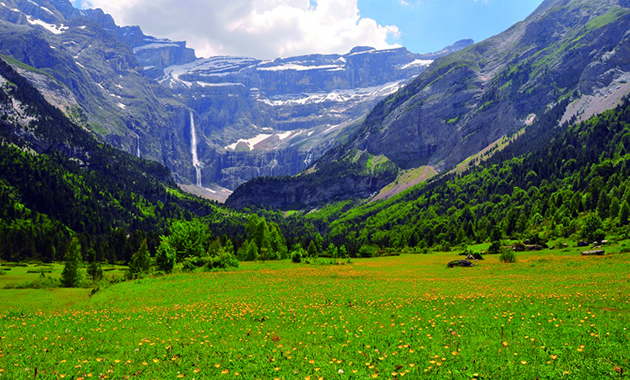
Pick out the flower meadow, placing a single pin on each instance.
(552, 314)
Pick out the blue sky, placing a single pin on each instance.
(430, 25)
(267, 29)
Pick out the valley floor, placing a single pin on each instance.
(553, 314)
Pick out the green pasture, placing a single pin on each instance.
(552, 314)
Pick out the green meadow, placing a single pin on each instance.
(552, 314)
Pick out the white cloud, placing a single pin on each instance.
(256, 28)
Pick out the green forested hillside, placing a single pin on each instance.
(552, 182)
(57, 180)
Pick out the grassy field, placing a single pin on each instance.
(553, 314)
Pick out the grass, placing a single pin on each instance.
(553, 314)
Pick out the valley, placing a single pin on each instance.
(169, 216)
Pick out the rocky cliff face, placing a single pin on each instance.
(276, 117)
(465, 101)
(98, 77)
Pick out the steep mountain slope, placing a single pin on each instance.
(57, 180)
(85, 53)
(464, 102)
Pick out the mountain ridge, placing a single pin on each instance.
(466, 101)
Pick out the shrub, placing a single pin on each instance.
(296, 257)
(189, 264)
(495, 248)
(507, 256)
(222, 260)
(367, 251)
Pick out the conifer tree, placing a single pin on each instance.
(312, 249)
(624, 213)
(95, 270)
(140, 262)
(71, 277)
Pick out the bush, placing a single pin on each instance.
(222, 260)
(507, 256)
(367, 251)
(189, 264)
(296, 257)
(495, 248)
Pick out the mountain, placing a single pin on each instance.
(467, 101)
(149, 96)
(276, 117)
(59, 180)
(84, 66)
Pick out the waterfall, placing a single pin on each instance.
(138, 145)
(193, 147)
(274, 163)
(309, 157)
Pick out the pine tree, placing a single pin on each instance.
(312, 249)
(140, 262)
(624, 213)
(95, 270)
(71, 277)
(614, 208)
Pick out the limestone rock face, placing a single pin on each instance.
(278, 116)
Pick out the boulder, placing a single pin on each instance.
(599, 252)
(582, 243)
(460, 263)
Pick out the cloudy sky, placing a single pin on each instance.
(268, 29)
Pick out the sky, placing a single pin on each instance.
(267, 29)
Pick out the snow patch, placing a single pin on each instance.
(47, 10)
(154, 46)
(283, 136)
(417, 63)
(339, 96)
(296, 67)
(224, 84)
(251, 143)
(55, 29)
(121, 106)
